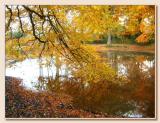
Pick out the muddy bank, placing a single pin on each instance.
(22, 103)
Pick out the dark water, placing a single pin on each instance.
(133, 97)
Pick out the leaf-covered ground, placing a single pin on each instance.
(22, 103)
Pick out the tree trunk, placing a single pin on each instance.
(109, 39)
(57, 76)
(57, 64)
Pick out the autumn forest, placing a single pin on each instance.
(81, 61)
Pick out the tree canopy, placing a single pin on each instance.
(64, 28)
(33, 31)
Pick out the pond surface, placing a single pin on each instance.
(132, 99)
(32, 70)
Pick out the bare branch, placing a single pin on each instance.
(10, 19)
(32, 11)
(20, 21)
(33, 28)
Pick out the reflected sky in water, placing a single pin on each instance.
(29, 71)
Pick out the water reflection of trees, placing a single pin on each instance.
(141, 74)
(135, 95)
(51, 82)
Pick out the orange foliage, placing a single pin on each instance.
(22, 103)
(143, 38)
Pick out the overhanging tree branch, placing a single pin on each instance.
(10, 18)
(33, 28)
(20, 21)
(32, 11)
(62, 37)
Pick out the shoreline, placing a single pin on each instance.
(124, 48)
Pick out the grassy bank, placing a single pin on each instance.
(124, 47)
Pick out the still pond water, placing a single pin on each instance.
(136, 98)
